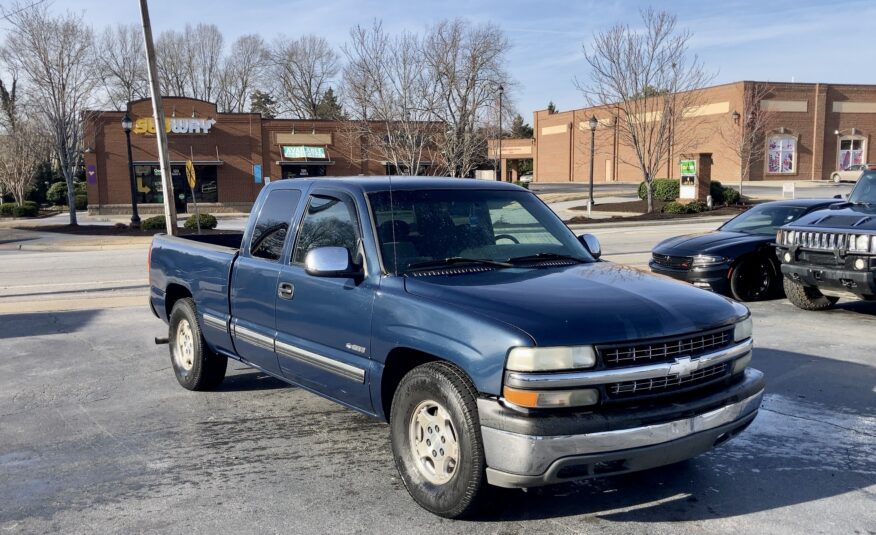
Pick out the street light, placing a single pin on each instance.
(592, 123)
(499, 154)
(127, 125)
(736, 116)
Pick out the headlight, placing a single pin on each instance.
(708, 260)
(860, 243)
(544, 359)
(742, 331)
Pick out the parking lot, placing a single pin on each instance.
(96, 436)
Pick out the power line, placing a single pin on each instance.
(6, 15)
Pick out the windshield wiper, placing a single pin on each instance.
(542, 256)
(457, 260)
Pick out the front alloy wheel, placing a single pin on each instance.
(433, 440)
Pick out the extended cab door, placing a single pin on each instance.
(324, 324)
(254, 280)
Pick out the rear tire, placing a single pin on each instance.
(836, 178)
(436, 440)
(753, 279)
(196, 367)
(807, 297)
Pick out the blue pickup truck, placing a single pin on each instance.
(496, 343)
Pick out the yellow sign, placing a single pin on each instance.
(146, 125)
(190, 174)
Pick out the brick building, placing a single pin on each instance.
(224, 148)
(813, 130)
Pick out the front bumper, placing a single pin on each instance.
(525, 451)
(861, 283)
(710, 278)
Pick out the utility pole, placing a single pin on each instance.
(499, 174)
(160, 131)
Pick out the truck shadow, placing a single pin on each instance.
(814, 438)
(246, 379)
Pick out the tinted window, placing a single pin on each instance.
(865, 190)
(273, 224)
(328, 222)
(764, 219)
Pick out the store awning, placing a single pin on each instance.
(180, 162)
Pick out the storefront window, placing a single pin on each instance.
(851, 151)
(150, 189)
(302, 171)
(782, 154)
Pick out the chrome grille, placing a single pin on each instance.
(664, 350)
(676, 262)
(825, 241)
(671, 382)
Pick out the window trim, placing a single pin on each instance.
(341, 196)
(796, 153)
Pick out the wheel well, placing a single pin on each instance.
(398, 363)
(174, 293)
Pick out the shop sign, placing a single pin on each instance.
(688, 167)
(146, 125)
(302, 151)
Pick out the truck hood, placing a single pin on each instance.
(708, 242)
(591, 303)
(844, 216)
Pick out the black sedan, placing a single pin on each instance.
(737, 259)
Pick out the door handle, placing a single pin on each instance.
(286, 290)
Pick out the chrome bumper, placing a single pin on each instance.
(517, 460)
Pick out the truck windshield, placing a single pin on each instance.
(429, 228)
(763, 219)
(865, 189)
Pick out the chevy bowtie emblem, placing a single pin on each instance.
(683, 367)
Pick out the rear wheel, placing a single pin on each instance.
(807, 297)
(753, 279)
(836, 178)
(436, 440)
(195, 366)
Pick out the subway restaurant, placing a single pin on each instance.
(234, 156)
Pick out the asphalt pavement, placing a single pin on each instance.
(96, 436)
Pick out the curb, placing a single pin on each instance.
(76, 248)
(641, 223)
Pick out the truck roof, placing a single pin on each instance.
(368, 184)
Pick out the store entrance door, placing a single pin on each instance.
(302, 170)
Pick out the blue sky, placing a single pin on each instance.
(776, 40)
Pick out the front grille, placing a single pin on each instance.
(819, 259)
(674, 262)
(663, 350)
(664, 384)
(824, 241)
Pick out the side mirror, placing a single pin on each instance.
(590, 242)
(837, 196)
(331, 262)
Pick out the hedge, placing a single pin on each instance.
(208, 221)
(153, 223)
(663, 189)
(6, 209)
(81, 202)
(57, 192)
(694, 207)
(28, 209)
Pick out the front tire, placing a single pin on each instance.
(835, 178)
(196, 367)
(436, 440)
(807, 297)
(753, 279)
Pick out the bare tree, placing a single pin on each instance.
(241, 71)
(204, 45)
(391, 99)
(171, 54)
(302, 69)
(55, 56)
(652, 83)
(467, 66)
(745, 134)
(121, 65)
(22, 149)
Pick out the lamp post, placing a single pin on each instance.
(592, 123)
(499, 154)
(127, 125)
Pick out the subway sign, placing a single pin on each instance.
(146, 125)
